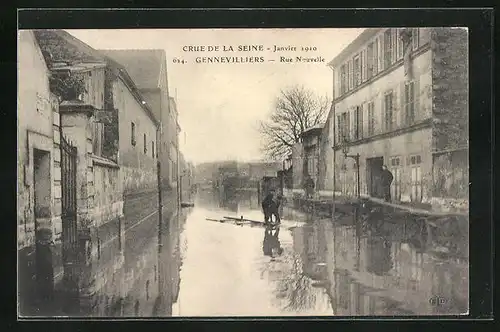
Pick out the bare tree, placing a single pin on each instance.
(296, 109)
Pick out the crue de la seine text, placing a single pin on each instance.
(262, 53)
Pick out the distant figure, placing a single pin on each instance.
(270, 207)
(386, 179)
(309, 186)
(271, 245)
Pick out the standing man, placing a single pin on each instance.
(309, 186)
(386, 179)
(266, 205)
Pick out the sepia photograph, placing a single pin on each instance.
(261, 172)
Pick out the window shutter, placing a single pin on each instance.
(382, 113)
(402, 101)
(418, 114)
(348, 124)
(362, 122)
(363, 66)
(381, 53)
(394, 40)
(351, 74)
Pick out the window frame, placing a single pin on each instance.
(388, 125)
(415, 35)
(388, 49)
(370, 55)
(343, 79)
(416, 185)
(357, 70)
(133, 128)
(409, 102)
(371, 118)
(396, 167)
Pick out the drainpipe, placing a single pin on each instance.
(333, 140)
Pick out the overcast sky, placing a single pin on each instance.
(220, 104)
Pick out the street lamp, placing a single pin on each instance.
(345, 150)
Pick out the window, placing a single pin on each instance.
(344, 127)
(145, 146)
(371, 118)
(395, 168)
(416, 178)
(400, 45)
(388, 111)
(357, 70)
(153, 149)
(132, 134)
(343, 79)
(375, 57)
(351, 75)
(98, 138)
(414, 38)
(358, 122)
(388, 49)
(369, 61)
(409, 103)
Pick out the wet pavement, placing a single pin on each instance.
(187, 265)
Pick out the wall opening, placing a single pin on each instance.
(43, 234)
(373, 176)
(41, 181)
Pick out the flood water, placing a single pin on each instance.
(324, 268)
(190, 266)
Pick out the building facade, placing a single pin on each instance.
(73, 98)
(148, 70)
(393, 105)
(39, 173)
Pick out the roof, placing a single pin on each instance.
(144, 66)
(317, 127)
(354, 45)
(58, 46)
(79, 67)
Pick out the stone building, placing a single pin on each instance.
(306, 157)
(39, 173)
(87, 164)
(400, 99)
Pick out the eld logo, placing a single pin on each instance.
(438, 301)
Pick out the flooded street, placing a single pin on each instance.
(322, 269)
(199, 263)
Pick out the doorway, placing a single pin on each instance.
(43, 233)
(373, 176)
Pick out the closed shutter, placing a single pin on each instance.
(418, 114)
(381, 53)
(363, 66)
(361, 121)
(382, 113)
(351, 75)
(394, 40)
(348, 125)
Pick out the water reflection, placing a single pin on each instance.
(271, 245)
(346, 267)
(137, 274)
(355, 266)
